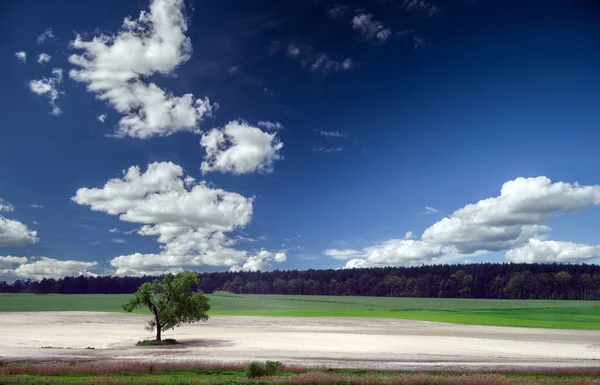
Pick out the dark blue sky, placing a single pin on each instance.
(388, 107)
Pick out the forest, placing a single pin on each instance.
(484, 280)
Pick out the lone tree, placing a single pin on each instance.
(172, 302)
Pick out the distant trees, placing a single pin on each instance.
(171, 301)
(487, 280)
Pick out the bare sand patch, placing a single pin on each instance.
(311, 341)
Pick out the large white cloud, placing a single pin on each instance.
(14, 233)
(9, 261)
(540, 251)
(115, 68)
(46, 268)
(189, 218)
(513, 218)
(394, 252)
(240, 148)
(261, 261)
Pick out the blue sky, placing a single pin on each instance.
(317, 133)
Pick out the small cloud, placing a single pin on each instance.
(22, 56)
(332, 134)
(328, 149)
(118, 240)
(101, 118)
(47, 34)
(44, 58)
(430, 210)
(34, 222)
(115, 230)
(95, 243)
(293, 50)
(423, 6)
(317, 61)
(341, 254)
(408, 235)
(270, 125)
(338, 11)
(34, 206)
(370, 29)
(48, 87)
(6, 206)
(347, 64)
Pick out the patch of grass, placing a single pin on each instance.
(523, 313)
(168, 341)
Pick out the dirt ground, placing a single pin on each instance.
(322, 342)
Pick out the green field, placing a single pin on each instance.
(525, 313)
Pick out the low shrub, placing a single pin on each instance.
(168, 341)
(258, 369)
(272, 367)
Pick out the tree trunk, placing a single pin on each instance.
(158, 327)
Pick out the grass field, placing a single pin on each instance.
(524, 313)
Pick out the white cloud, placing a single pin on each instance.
(539, 251)
(408, 235)
(240, 149)
(118, 240)
(370, 29)
(399, 252)
(48, 87)
(261, 261)
(9, 262)
(6, 206)
(331, 134)
(341, 253)
(513, 218)
(328, 149)
(21, 55)
(116, 68)
(317, 61)
(430, 210)
(14, 233)
(188, 218)
(270, 125)
(47, 34)
(44, 58)
(114, 230)
(338, 11)
(36, 206)
(422, 5)
(50, 268)
(101, 118)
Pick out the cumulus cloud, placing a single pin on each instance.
(240, 149)
(101, 118)
(48, 87)
(47, 34)
(116, 69)
(14, 233)
(370, 29)
(6, 206)
(341, 253)
(49, 268)
(398, 252)
(9, 262)
(271, 126)
(540, 251)
(189, 218)
(44, 58)
(317, 61)
(261, 261)
(21, 55)
(513, 218)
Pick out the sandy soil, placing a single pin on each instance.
(324, 342)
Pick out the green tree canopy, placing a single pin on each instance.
(172, 302)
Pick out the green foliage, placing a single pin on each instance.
(168, 341)
(172, 302)
(272, 367)
(259, 369)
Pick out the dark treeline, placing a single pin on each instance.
(486, 280)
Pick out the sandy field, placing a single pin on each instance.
(322, 342)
